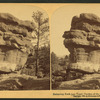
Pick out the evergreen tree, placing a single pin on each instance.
(42, 27)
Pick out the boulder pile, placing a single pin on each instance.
(83, 43)
(15, 42)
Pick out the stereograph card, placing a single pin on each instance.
(49, 50)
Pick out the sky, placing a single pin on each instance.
(21, 11)
(61, 21)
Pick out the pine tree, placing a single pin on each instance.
(42, 27)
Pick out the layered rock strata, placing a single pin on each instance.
(15, 42)
(83, 43)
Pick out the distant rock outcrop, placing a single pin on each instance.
(15, 42)
(83, 43)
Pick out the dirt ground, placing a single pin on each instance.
(87, 82)
(23, 82)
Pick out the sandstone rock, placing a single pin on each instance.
(83, 43)
(88, 82)
(15, 42)
(8, 18)
(86, 17)
(75, 34)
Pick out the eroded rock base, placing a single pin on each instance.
(87, 82)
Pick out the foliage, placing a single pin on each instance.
(44, 59)
(54, 58)
(58, 65)
(44, 62)
(41, 29)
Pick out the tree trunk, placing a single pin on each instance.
(37, 59)
(37, 52)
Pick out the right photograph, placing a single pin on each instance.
(75, 48)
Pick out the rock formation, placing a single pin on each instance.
(83, 43)
(15, 42)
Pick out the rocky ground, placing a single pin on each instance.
(15, 81)
(87, 82)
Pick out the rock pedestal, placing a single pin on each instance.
(83, 43)
(15, 42)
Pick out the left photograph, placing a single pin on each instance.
(24, 48)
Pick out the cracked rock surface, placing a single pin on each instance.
(83, 43)
(15, 42)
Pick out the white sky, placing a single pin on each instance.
(21, 11)
(61, 21)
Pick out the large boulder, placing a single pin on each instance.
(15, 42)
(83, 43)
